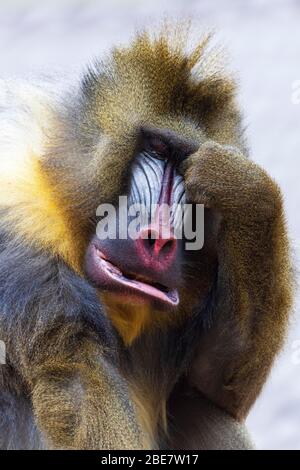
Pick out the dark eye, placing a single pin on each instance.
(158, 148)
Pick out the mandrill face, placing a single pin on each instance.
(139, 118)
(145, 247)
(144, 265)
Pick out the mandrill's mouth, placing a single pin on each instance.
(134, 286)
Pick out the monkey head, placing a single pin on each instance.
(145, 266)
(137, 119)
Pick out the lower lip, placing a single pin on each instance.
(131, 291)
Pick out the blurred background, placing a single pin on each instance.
(263, 39)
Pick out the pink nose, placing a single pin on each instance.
(157, 246)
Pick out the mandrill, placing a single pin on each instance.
(140, 342)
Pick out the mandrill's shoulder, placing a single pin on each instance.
(28, 112)
(25, 112)
(27, 108)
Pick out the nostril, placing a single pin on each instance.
(156, 245)
(164, 247)
(151, 242)
(169, 246)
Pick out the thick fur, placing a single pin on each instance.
(62, 154)
(254, 286)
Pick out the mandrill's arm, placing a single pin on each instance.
(197, 424)
(252, 296)
(82, 402)
(62, 347)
